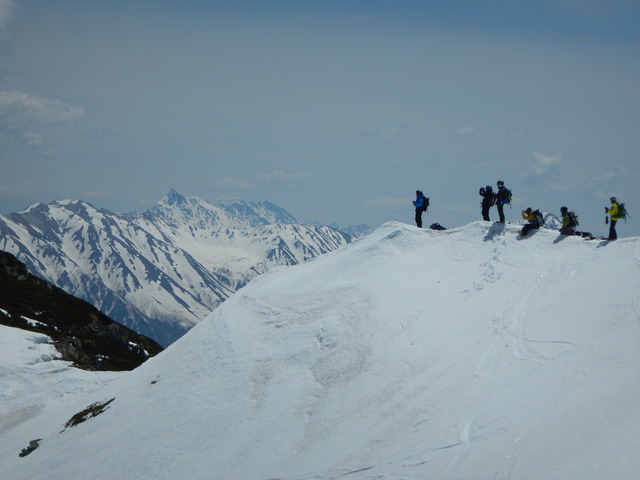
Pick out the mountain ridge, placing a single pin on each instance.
(162, 270)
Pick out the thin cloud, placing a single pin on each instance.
(563, 187)
(36, 142)
(6, 10)
(388, 202)
(604, 195)
(21, 107)
(13, 189)
(392, 130)
(544, 161)
(466, 131)
(282, 176)
(542, 167)
(33, 139)
(605, 177)
(231, 182)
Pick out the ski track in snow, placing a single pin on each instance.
(511, 334)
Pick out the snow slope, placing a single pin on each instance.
(409, 354)
(33, 380)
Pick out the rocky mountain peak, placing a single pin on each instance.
(175, 198)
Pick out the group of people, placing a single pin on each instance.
(502, 197)
(490, 198)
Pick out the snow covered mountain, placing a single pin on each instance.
(161, 271)
(409, 354)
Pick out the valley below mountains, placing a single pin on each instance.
(161, 271)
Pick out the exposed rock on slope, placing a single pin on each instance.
(81, 334)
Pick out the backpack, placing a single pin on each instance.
(573, 219)
(425, 204)
(622, 211)
(539, 217)
(505, 196)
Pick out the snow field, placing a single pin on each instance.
(408, 354)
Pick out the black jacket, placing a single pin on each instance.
(488, 197)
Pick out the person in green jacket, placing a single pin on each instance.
(614, 213)
(568, 223)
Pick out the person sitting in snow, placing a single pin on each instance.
(568, 222)
(532, 218)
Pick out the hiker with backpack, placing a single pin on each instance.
(421, 203)
(534, 217)
(569, 222)
(488, 201)
(503, 197)
(616, 212)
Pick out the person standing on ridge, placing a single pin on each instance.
(614, 213)
(488, 201)
(420, 203)
(503, 197)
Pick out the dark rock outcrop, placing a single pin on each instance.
(79, 331)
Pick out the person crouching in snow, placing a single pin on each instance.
(532, 218)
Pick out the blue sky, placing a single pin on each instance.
(335, 110)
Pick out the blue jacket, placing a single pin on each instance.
(419, 201)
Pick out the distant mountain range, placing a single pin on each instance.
(161, 271)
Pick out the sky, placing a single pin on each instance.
(511, 363)
(336, 111)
